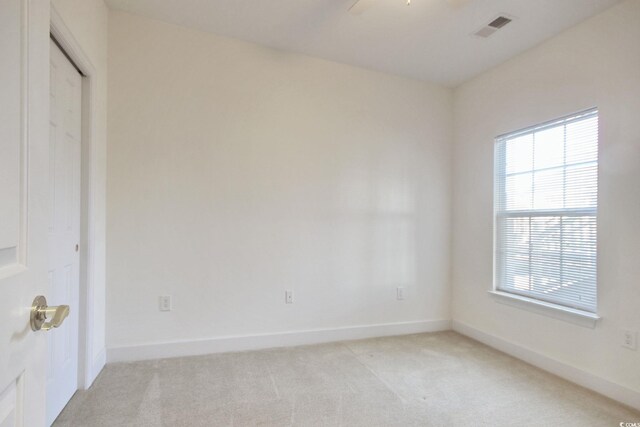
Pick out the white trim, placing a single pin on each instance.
(24, 141)
(568, 372)
(261, 341)
(99, 362)
(88, 369)
(567, 314)
(567, 119)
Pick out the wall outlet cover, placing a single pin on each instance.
(164, 303)
(630, 339)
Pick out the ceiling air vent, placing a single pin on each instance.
(499, 22)
(493, 26)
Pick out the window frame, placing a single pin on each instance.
(524, 299)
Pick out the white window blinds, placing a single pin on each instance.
(546, 195)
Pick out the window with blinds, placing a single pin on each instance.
(546, 200)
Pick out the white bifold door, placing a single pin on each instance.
(64, 227)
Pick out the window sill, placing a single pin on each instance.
(571, 315)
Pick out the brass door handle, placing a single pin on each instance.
(40, 312)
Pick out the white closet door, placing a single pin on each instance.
(64, 228)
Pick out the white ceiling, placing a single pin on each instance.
(428, 40)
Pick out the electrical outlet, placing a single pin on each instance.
(630, 339)
(288, 297)
(164, 303)
(400, 293)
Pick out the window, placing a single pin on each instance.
(546, 197)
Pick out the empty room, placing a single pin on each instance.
(319, 213)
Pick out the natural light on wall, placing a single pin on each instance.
(546, 195)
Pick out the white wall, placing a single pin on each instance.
(88, 21)
(596, 63)
(236, 172)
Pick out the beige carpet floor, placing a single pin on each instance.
(438, 379)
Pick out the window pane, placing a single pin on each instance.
(545, 255)
(582, 186)
(548, 189)
(549, 148)
(517, 272)
(519, 154)
(516, 235)
(582, 141)
(519, 191)
(579, 238)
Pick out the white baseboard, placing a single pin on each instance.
(282, 339)
(571, 373)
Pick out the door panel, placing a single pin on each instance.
(64, 227)
(24, 116)
(10, 404)
(10, 134)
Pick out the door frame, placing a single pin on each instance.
(88, 366)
